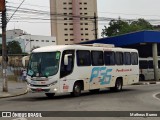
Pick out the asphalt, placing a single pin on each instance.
(17, 88)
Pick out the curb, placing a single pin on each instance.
(8, 96)
(146, 83)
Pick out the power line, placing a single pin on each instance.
(15, 11)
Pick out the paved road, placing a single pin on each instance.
(132, 98)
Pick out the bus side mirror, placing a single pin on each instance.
(66, 59)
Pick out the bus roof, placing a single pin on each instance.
(79, 47)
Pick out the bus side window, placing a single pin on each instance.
(67, 69)
(134, 58)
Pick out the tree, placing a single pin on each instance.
(14, 47)
(118, 27)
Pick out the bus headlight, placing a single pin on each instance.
(55, 89)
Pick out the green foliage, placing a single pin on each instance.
(14, 47)
(119, 27)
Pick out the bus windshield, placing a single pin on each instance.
(43, 64)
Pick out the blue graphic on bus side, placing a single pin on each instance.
(102, 72)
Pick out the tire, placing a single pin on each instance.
(77, 88)
(50, 95)
(94, 91)
(118, 86)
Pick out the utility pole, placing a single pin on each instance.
(4, 49)
(95, 23)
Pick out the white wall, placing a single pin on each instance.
(27, 42)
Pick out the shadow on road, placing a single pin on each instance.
(42, 97)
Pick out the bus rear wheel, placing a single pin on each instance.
(50, 95)
(118, 86)
(77, 88)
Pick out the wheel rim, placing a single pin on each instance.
(77, 89)
(119, 85)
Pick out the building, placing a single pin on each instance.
(11, 34)
(72, 21)
(28, 42)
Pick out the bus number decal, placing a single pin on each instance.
(102, 72)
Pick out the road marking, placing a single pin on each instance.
(154, 95)
(20, 119)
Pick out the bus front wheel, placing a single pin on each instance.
(50, 95)
(76, 89)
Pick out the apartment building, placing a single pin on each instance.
(72, 21)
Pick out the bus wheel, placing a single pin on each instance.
(118, 86)
(94, 91)
(50, 95)
(76, 89)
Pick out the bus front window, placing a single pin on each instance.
(43, 64)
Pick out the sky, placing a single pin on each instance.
(126, 9)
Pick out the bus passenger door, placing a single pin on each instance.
(66, 71)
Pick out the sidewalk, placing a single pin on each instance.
(147, 82)
(14, 89)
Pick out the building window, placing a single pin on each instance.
(86, 34)
(71, 34)
(65, 18)
(86, 23)
(71, 28)
(65, 13)
(42, 40)
(85, 8)
(70, 3)
(64, 3)
(66, 39)
(66, 34)
(37, 40)
(70, 18)
(70, 8)
(53, 41)
(86, 28)
(65, 29)
(70, 23)
(87, 39)
(65, 8)
(47, 40)
(85, 3)
(71, 39)
(65, 24)
(70, 13)
(85, 13)
(80, 3)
